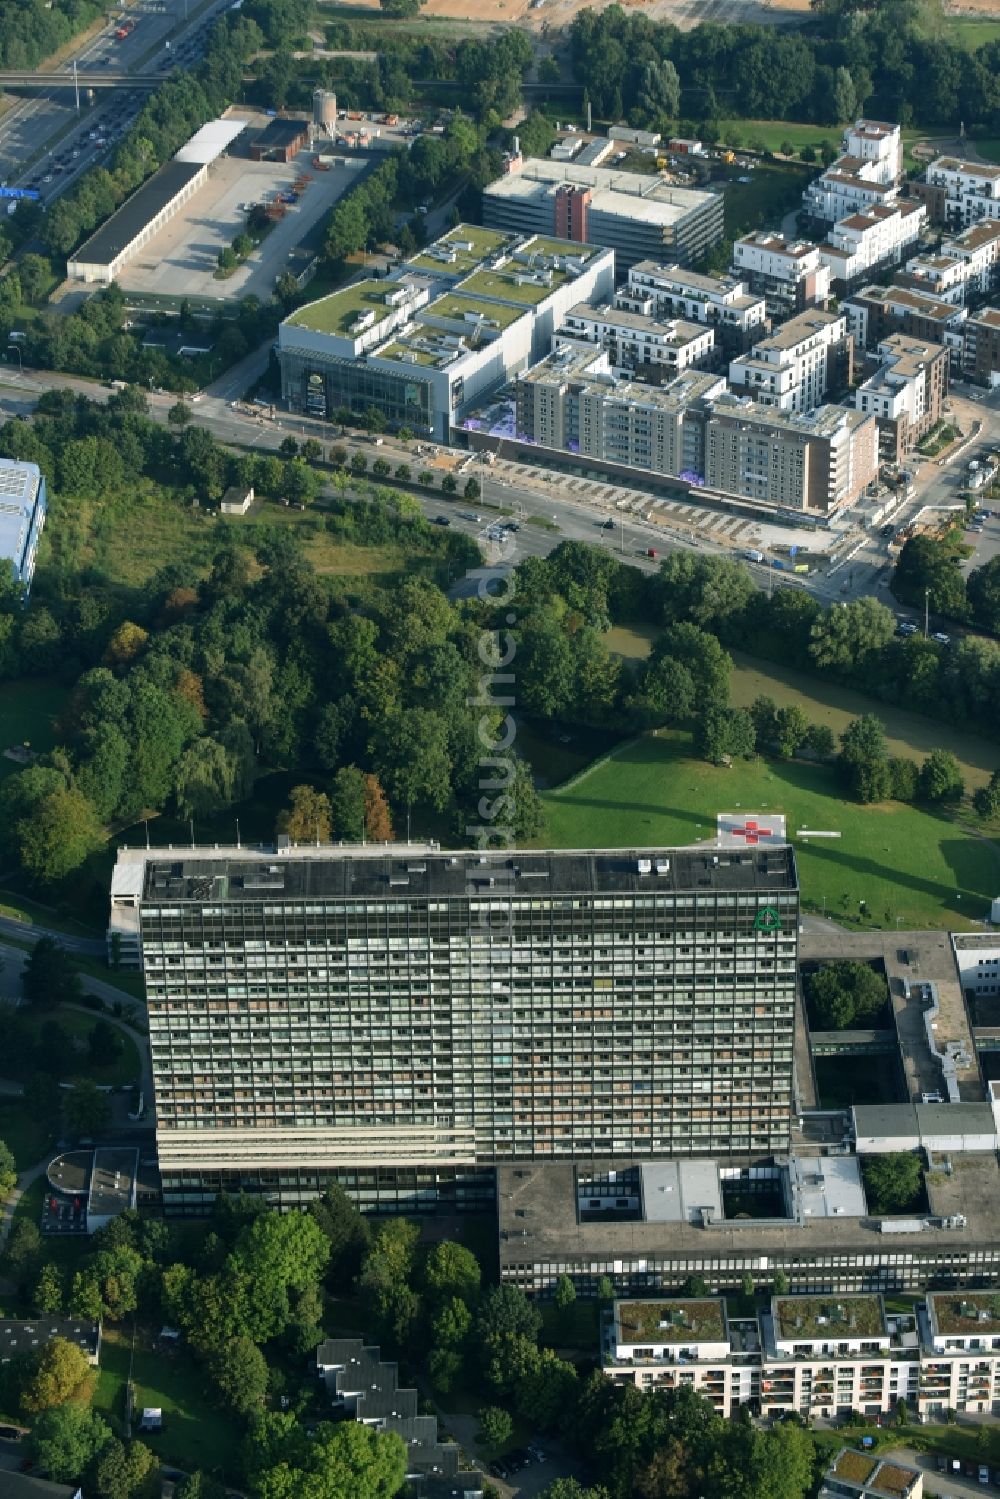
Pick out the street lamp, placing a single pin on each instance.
(927, 609)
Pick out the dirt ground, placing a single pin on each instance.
(554, 14)
(988, 9)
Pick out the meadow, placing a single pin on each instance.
(912, 866)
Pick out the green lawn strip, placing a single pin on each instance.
(908, 733)
(908, 864)
(30, 913)
(197, 1433)
(109, 1396)
(825, 702)
(990, 148)
(29, 1139)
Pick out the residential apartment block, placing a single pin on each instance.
(799, 364)
(874, 312)
(815, 1355)
(651, 347)
(865, 176)
(573, 402)
(819, 461)
(788, 274)
(864, 243)
(960, 193)
(640, 218)
(23, 509)
(462, 317)
(981, 352)
(906, 393)
(723, 302)
(400, 1018)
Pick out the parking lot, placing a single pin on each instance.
(183, 258)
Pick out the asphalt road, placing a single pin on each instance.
(49, 122)
(567, 517)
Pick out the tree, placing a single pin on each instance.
(660, 89)
(472, 489)
(121, 1469)
(723, 732)
(65, 1440)
(451, 1270)
(780, 1283)
(847, 636)
(180, 415)
(864, 757)
(104, 1044)
(128, 642)
(983, 593)
(49, 1292)
(8, 1170)
(308, 819)
(986, 799)
(449, 484)
(88, 1111)
(940, 778)
(844, 994)
(240, 1372)
(820, 741)
(60, 1370)
(894, 1182)
(344, 1228)
(902, 779)
(496, 1426)
(199, 1485)
(505, 1315)
(564, 1296)
(61, 833)
(49, 976)
(227, 260)
(378, 821)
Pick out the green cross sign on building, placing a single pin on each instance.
(767, 920)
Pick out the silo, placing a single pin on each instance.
(325, 110)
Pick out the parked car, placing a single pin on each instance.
(941, 637)
(442, 520)
(906, 627)
(984, 1473)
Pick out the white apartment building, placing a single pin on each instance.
(635, 341)
(966, 265)
(787, 273)
(963, 193)
(882, 237)
(905, 395)
(879, 146)
(816, 1355)
(738, 316)
(794, 368)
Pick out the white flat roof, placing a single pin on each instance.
(676, 1191)
(210, 141)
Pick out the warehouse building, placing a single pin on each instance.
(23, 508)
(124, 235)
(280, 140)
(640, 218)
(464, 316)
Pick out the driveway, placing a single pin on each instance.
(944, 1484)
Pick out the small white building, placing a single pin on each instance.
(237, 499)
(879, 146)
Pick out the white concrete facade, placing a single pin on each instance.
(633, 339)
(971, 192)
(879, 145)
(789, 273)
(883, 236)
(790, 370)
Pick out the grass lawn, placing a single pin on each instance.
(126, 1069)
(774, 133)
(989, 148)
(907, 863)
(556, 753)
(28, 1138)
(825, 702)
(197, 1433)
(27, 714)
(773, 190)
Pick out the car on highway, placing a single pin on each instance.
(607, 525)
(469, 515)
(888, 529)
(442, 520)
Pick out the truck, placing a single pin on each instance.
(753, 556)
(124, 28)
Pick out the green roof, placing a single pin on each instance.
(843, 1317)
(455, 305)
(958, 1312)
(397, 349)
(542, 244)
(484, 242)
(338, 312)
(504, 285)
(690, 1320)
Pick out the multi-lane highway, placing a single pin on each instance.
(46, 144)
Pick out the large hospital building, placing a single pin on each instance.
(402, 1019)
